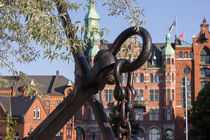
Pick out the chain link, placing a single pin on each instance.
(124, 97)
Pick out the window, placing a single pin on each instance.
(186, 90)
(154, 134)
(136, 78)
(168, 110)
(92, 116)
(205, 73)
(34, 113)
(57, 103)
(108, 95)
(203, 83)
(172, 98)
(185, 55)
(173, 77)
(93, 136)
(139, 95)
(38, 113)
(172, 61)
(168, 77)
(168, 95)
(78, 115)
(139, 114)
(47, 103)
(180, 54)
(17, 137)
(125, 78)
(186, 71)
(154, 95)
(151, 77)
(191, 55)
(205, 56)
(156, 77)
(168, 60)
(154, 114)
(141, 77)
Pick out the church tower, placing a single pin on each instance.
(92, 31)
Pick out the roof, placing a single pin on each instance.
(21, 104)
(46, 84)
(18, 106)
(92, 12)
(168, 50)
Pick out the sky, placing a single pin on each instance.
(158, 15)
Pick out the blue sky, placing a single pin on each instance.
(159, 15)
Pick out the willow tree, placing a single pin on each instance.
(28, 24)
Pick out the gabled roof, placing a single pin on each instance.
(46, 84)
(17, 106)
(21, 104)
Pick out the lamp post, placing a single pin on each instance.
(186, 108)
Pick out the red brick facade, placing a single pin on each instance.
(160, 83)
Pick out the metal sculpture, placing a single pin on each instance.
(106, 70)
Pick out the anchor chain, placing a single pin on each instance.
(124, 97)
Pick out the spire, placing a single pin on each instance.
(168, 50)
(204, 20)
(92, 33)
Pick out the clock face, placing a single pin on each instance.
(93, 22)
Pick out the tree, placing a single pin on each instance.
(46, 23)
(27, 24)
(199, 116)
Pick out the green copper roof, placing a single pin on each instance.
(95, 45)
(168, 50)
(193, 36)
(32, 83)
(69, 83)
(92, 11)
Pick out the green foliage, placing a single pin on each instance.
(199, 115)
(27, 24)
(3, 82)
(10, 124)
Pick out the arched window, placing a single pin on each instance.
(34, 112)
(205, 56)
(185, 55)
(38, 113)
(93, 136)
(168, 110)
(154, 134)
(151, 77)
(168, 60)
(168, 77)
(186, 90)
(141, 78)
(172, 76)
(156, 77)
(172, 61)
(17, 137)
(136, 78)
(180, 55)
(191, 55)
(169, 134)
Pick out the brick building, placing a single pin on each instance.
(173, 72)
(30, 111)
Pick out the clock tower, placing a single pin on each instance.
(92, 30)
